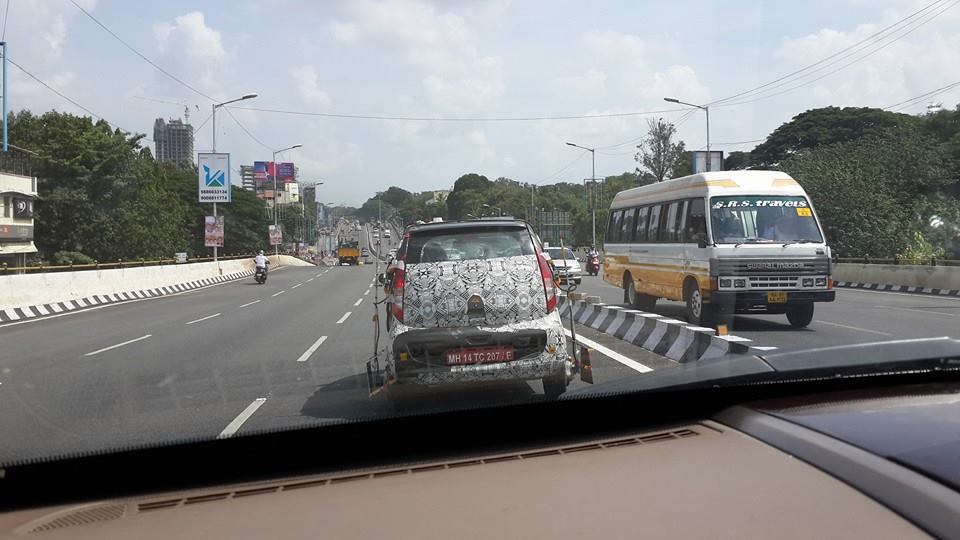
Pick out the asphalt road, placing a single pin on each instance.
(230, 359)
(856, 316)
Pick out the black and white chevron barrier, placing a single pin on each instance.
(677, 340)
(897, 288)
(43, 310)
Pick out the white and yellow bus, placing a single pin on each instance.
(759, 248)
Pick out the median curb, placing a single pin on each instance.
(672, 338)
(42, 310)
(897, 288)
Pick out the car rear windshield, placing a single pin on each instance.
(468, 243)
(556, 254)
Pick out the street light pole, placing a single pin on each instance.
(213, 115)
(593, 181)
(704, 108)
(276, 248)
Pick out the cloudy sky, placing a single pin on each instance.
(458, 59)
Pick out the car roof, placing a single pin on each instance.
(466, 224)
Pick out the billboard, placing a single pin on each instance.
(213, 231)
(276, 235)
(213, 178)
(700, 161)
(286, 172)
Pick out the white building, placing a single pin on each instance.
(17, 194)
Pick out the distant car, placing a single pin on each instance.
(566, 265)
(392, 253)
(474, 301)
(386, 233)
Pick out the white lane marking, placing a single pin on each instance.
(309, 280)
(318, 275)
(249, 303)
(366, 292)
(295, 286)
(920, 311)
(234, 426)
(167, 380)
(357, 303)
(914, 295)
(853, 328)
(204, 318)
(278, 293)
(632, 364)
(316, 345)
(98, 351)
(370, 286)
(345, 315)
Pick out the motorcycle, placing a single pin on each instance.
(593, 265)
(260, 276)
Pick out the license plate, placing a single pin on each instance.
(776, 298)
(482, 355)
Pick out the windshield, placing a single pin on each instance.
(557, 254)
(402, 165)
(762, 219)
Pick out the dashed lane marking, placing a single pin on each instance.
(204, 318)
(313, 348)
(345, 315)
(853, 328)
(249, 303)
(366, 292)
(234, 426)
(295, 286)
(105, 349)
(357, 303)
(278, 293)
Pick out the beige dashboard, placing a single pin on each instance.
(701, 480)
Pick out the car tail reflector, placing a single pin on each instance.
(399, 277)
(549, 286)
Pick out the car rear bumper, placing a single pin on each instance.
(418, 356)
(756, 301)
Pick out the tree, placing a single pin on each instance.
(736, 161)
(825, 126)
(658, 154)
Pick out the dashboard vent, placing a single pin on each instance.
(74, 517)
(652, 438)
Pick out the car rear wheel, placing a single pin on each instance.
(800, 315)
(555, 385)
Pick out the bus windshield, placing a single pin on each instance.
(762, 218)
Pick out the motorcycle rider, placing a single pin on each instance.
(261, 262)
(592, 252)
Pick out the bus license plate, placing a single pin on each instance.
(776, 298)
(484, 355)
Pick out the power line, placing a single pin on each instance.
(79, 106)
(793, 74)
(138, 53)
(198, 128)
(245, 130)
(735, 143)
(921, 97)
(563, 169)
(919, 24)
(446, 119)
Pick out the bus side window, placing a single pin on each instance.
(615, 221)
(641, 234)
(669, 231)
(696, 220)
(681, 221)
(654, 223)
(609, 236)
(626, 228)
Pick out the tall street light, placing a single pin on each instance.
(703, 108)
(213, 115)
(276, 170)
(593, 178)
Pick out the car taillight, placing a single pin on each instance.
(398, 280)
(549, 287)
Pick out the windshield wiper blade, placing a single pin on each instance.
(751, 240)
(802, 241)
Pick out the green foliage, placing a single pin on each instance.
(658, 155)
(825, 126)
(103, 195)
(919, 251)
(736, 161)
(63, 258)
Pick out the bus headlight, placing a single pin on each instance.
(821, 282)
(726, 283)
(740, 283)
(808, 282)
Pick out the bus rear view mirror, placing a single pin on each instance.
(701, 240)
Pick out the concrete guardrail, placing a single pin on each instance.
(938, 280)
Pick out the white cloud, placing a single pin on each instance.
(610, 44)
(457, 75)
(308, 86)
(189, 46)
(592, 83)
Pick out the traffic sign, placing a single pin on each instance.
(213, 178)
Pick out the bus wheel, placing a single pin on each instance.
(696, 309)
(643, 302)
(800, 315)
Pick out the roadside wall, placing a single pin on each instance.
(945, 278)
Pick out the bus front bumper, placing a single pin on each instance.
(764, 302)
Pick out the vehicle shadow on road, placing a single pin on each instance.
(754, 324)
(348, 398)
